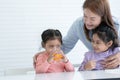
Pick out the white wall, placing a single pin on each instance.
(22, 22)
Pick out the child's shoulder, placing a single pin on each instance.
(89, 53)
(42, 53)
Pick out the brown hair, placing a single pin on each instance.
(101, 8)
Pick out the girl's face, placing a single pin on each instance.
(99, 45)
(91, 19)
(52, 44)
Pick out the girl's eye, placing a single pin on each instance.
(92, 19)
(58, 46)
(51, 46)
(98, 42)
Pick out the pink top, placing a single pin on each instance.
(42, 66)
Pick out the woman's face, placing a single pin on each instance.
(91, 19)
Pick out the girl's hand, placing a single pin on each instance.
(112, 61)
(64, 58)
(51, 56)
(59, 56)
(90, 65)
(55, 55)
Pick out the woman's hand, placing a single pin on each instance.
(35, 59)
(112, 61)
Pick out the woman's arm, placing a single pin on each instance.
(117, 25)
(73, 35)
(113, 61)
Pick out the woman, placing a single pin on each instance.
(95, 13)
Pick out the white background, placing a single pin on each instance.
(23, 21)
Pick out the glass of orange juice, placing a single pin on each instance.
(57, 56)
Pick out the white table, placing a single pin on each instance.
(82, 75)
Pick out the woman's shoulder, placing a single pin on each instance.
(78, 24)
(79, 20)
(116, 21)
(117, 25)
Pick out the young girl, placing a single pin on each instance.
(105, 43)
(48, 61)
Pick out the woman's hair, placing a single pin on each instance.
(106, 34)
(51, 34)
(101, 8)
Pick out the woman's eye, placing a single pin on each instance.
(97, 42)
(51, 46)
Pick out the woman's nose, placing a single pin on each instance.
(87, 21)
(94, 45)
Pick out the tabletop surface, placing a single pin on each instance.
(81, 75)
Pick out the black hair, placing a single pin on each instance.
(106, 34)
(51, 34)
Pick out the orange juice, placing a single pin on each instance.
(57, 56)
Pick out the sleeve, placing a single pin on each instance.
(85, 60)
(117, 25)
(116, 50)
(71, 38)
(81, 68)
(69, 67)
(41, 64)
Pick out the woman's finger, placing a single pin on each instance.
(35, 59)
(111, 64)
(110, 58)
